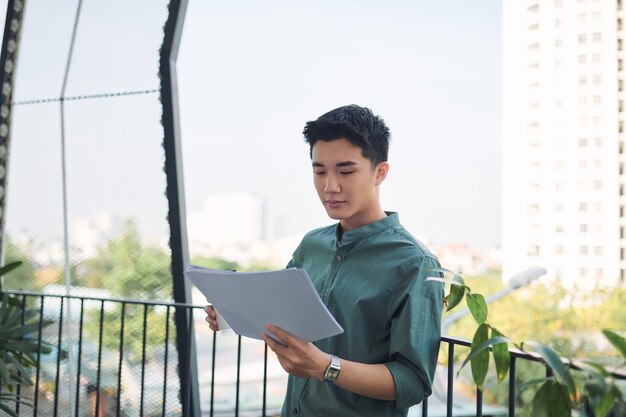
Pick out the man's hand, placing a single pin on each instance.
(211, 318)
(297, 357)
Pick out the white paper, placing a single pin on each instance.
(250, 300)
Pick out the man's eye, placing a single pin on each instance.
(347, 172)
(320, 172)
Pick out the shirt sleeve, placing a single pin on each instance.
(415, 332)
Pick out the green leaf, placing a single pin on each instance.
(554, 362)
(606, 402)
(532, 382)
(5, 378)
(501, 356)
(595, 388)
(552, 400)
(485, 345)
(480, 360)
(477, 306)
(20, 331)
(18, 367)
(456, 294)
(616, 340)
(8, 410)
(9, 267)
(591, 367)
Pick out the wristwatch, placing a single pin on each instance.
(332, 372)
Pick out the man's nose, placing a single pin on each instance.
(332, 184)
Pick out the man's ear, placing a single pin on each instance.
(381, 172)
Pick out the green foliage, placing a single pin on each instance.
(18, 349)
(557, 395)
(22, 278)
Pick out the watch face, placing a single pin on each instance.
(333, 373)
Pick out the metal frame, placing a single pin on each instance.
(8, 57)
(185, 340)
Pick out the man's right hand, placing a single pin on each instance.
(211, 318)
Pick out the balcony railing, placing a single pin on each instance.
(116, 357)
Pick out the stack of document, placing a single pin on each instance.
(249, 300)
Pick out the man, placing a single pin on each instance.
(371, 273)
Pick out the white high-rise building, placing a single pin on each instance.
(563, 140)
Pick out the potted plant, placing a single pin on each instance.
(17, 349)
(558, 394)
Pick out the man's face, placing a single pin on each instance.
(346, 183)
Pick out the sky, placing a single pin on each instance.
(252, 73)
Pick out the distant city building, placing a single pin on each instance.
(88, 234)
(234, 227)
(563, 140)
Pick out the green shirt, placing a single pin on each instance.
(373, 280)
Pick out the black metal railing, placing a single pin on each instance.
(118, 357)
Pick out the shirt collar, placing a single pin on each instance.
(354, 235)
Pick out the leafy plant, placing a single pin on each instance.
(17, 350)
(559, 393)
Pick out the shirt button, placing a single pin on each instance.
(294, 411)
(339, 258)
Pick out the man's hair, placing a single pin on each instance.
(356, 124)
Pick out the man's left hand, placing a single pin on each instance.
(297, 357)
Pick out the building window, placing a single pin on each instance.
(558, 103)
(597, 142)
(558, 43)
(582, 228)
(597, 250)
(597, 37)
(582, 250)
(582, 164)
(597, 206)
(596, 16)
(582, 121)
(597, 78)
(599, 273)
(582, 38)
(597, 100)
(559, 228)
(621, 229)
(582, 206)
(583, 272)
(582, 17)
(596, 58)
(534, 250)
(558, 3)
(533, 209)
(557, 23)
(582, 100)
(559, 165)
(559, 250)
(582, 79)
(597, 163)
(558, 207)
(597, 121)
(597, 185)
(582, 142)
